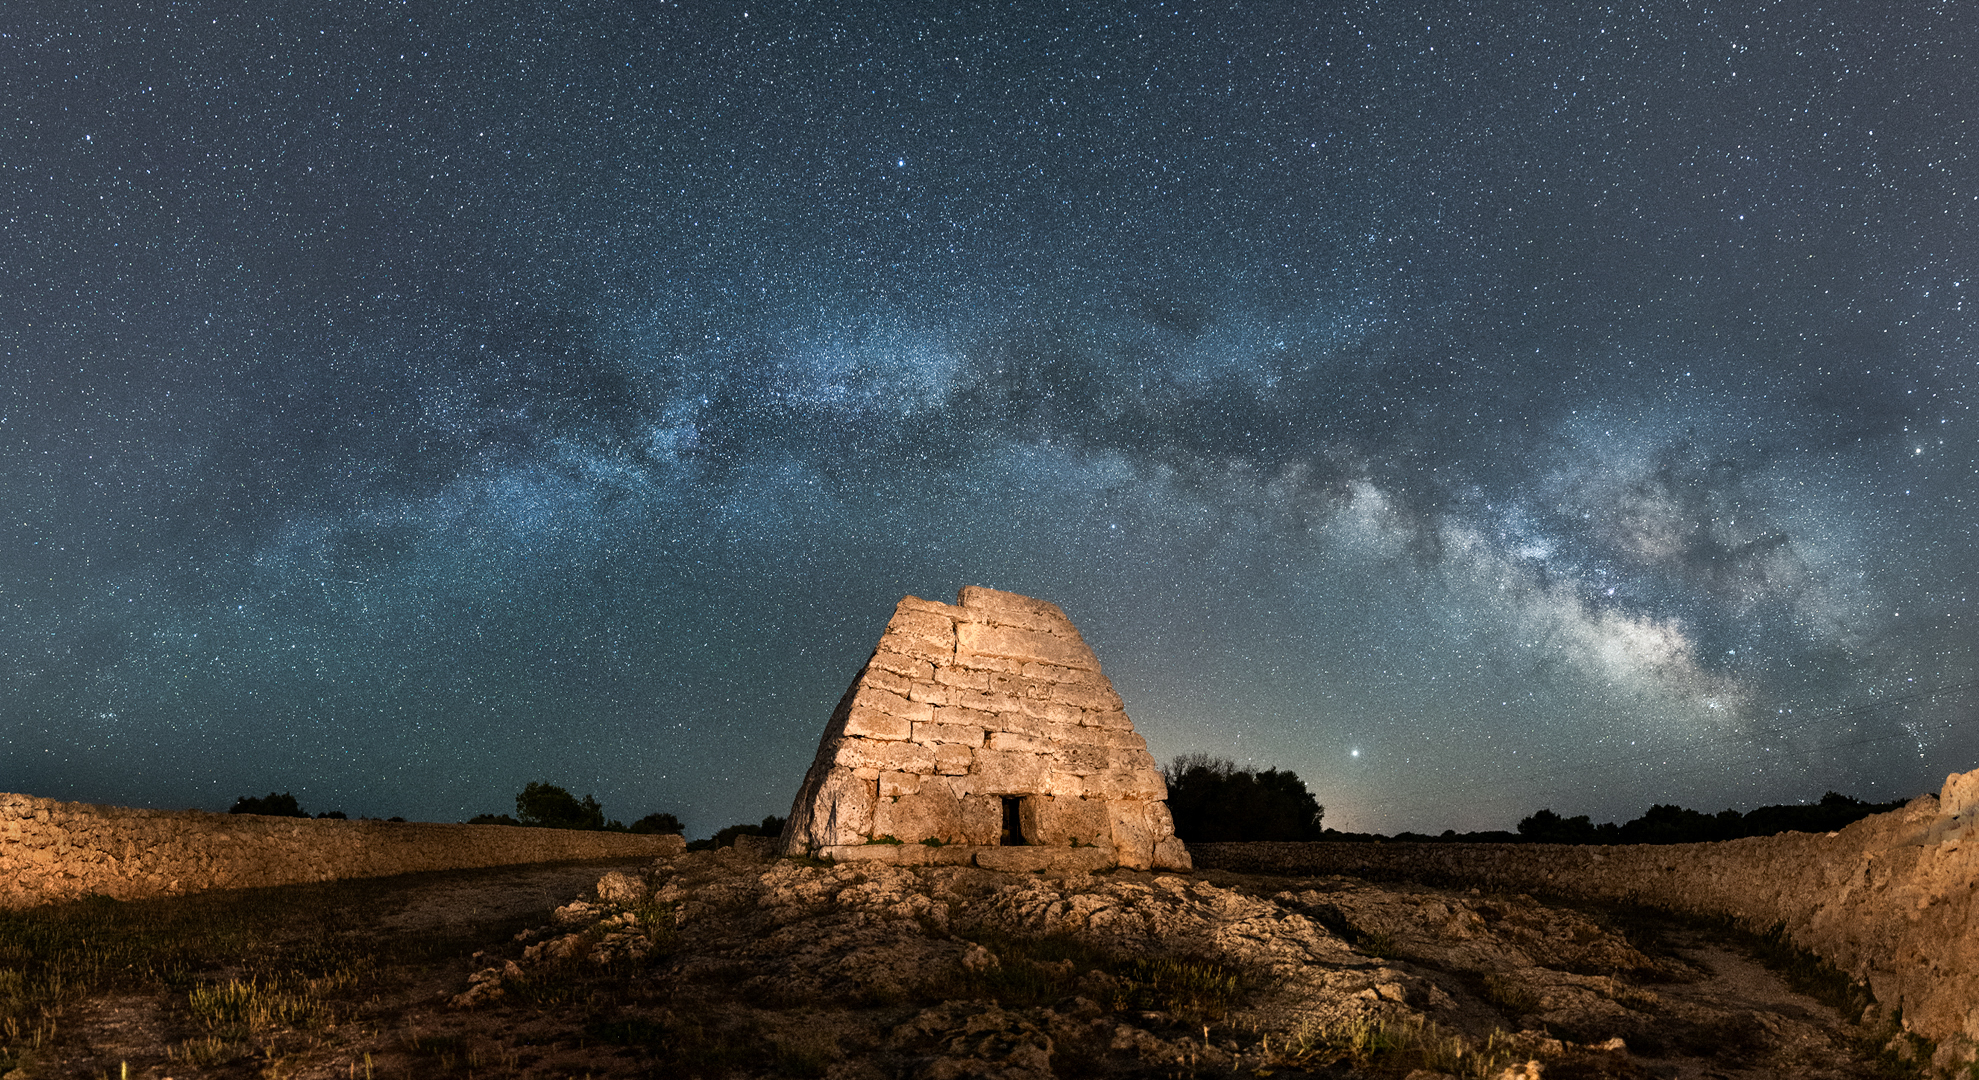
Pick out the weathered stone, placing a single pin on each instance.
(844, 809)
(1133, 836)
(1026, 860)
(961, 734)
(981, 818)
(965, 707)
(1022, 744)
(872, 724)
(872, 697)
(907, 667)
(963, 717)
(1066, 822)
(1009, 774)
(952, 759)
(932, 813)
(1011, 643)
(885, 756)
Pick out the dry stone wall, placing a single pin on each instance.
(53, 850)
(1893, 899)
(984, 732)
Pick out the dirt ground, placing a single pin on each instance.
(718, 966)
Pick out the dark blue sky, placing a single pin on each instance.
(1470, 407)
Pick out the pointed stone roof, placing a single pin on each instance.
(983, 732)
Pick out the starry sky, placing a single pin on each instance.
(1471, 407)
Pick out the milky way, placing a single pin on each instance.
(1472, 409)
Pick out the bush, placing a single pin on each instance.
(271, 805)
(1212, 800)
(546, 806)
(725, 836)
(659, 824)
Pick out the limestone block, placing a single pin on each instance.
(1170, 854)
(1053, 711)
(1065, 783)
(887, 680)
(960, 716)
(960, 734)
(872, 697)
(1003, 773)
(952, 759)
(920, 623)
(885, 756)
(1130, 740)
(986, 664)
(1133, 840)
(1126, 759)
(1058, 822)
(894, 784)
(1114, 720)
(1008, 642)
(907, 667)
(981, 818)
(1083, 760)
(931, 691)
(1095, 696)
(930, 813)
(918, 648)
(930, 607)
(1019, 724)
(1022, 744)
(1019, 686)
(979, 597)
(1026, 860)
(963, 679)
(872, 724)
(1116, 784)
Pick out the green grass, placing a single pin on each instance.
(1389, 1047)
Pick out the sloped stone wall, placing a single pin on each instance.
(53, 850)
(963, 706)
(1893, 899)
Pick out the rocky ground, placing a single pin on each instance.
(718, 964)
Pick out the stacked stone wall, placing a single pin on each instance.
(53, 850)
(962, 706)
(1893, 900)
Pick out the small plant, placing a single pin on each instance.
(934, 841)
(1510, 994)
(889, 838)
(1399, 1046)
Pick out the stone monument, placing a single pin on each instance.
(983, 733)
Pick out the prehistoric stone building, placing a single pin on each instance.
(983, 732)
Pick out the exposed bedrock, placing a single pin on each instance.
(1893, 899)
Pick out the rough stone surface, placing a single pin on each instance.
(963, 705)
(1892, 900)
(949, 971)
(51, 851)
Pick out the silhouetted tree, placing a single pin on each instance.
(334, 815)
(547, 806)
(492, 819)
(725, 836)
(1212, 800)
(657, 824)
(270, 805)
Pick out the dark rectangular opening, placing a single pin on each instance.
(1013, 822)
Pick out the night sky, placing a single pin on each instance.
(1472, 408)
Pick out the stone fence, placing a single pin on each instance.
(1893, 900)
(53, 850)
